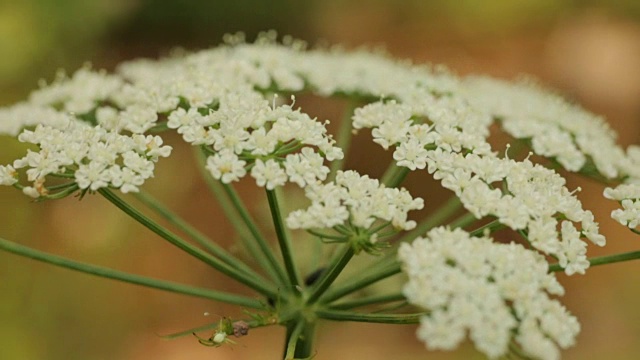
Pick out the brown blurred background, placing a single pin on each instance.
(590, 50)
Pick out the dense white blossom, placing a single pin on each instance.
(92, 156)
(354, 200)
(492, 291)
(556, 128)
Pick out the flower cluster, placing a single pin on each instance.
(473, 284)
(629, 197)
(555, 128)
(244, 131)
(92, 156)
(355, 202)
(522, 195)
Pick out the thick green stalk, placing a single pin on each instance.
(602, 260)
(343, 139)
(265, 253)
(371, 300)
(341, 315)
(251, 240)
(300, 339)
(256, 283)
(333, 270)
(127, 277)
(283, 239)
(207, 243)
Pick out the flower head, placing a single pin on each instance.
(358, 203)
(492, 291)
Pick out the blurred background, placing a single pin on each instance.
(590, 50)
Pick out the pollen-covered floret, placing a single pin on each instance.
(494, 292)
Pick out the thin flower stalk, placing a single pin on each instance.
(207, 243)
(283, 239)
(255, 283)
(129, 278)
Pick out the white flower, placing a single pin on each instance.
(375, 114)
(356, 198)
(556, 128)
(92, 175)
(268, 174)
(80, 93)
(125, 179)
(411, 154)
(492, 291)
(138, 119)
(90, 156)
(226, 166)
(305, 167)
(8, 175)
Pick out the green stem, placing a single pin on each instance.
(300, 338)
(437, 218)
(371, 300)
(343, 139)
(293, 335)
(602, 260)
(463, 221)
(364, 280)
(283, 239)
(256, 283)
(332, 272)
(193, 233)
(265, 254)
(341, 315)
(129, 278)
(239, 223)
(492, 226)
(394, 175)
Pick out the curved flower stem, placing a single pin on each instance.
(240, 219)
(359, 282)
(341, 315)
(127, 277)
(602, 260)
(257, 283)
(283, 239)
(264, 254)
(343, 139)
(193, 233)
(371, 300)
(394, 176)
(333, 270)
